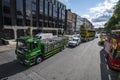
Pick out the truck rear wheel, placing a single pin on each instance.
(38, 59)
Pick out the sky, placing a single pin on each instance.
(97, 11)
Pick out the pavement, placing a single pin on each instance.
(12, 45)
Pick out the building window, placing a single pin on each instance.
(28, 8)
(7, 20)
(41, 7)
(19, 10)
(60, 12)
(34, 12)
(63, 13)
(27, 22)
(19, 4)
(19, 22)
(50, 9)
(28, 12)
(7, 12)
(6, 6)
(46, 7)
(56, 9)
(34, 8)
(53, 1)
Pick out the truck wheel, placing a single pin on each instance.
(38, 59)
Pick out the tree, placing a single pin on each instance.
(82, 27)
(114, 21)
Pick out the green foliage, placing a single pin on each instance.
(114, 21)
(29, 32)
(82, 27)
(99, 30)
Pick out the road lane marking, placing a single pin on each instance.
(109, 77)
(104, 55)
(107, 67)
(105, 60)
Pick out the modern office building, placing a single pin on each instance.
(79, 22)
(43, 15)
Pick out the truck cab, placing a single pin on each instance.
(27, 50)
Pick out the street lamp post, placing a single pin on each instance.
(31, 21)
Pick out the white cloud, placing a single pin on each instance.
(86, 16)
(101, 7)
(101, 12)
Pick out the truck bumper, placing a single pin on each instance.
(25, 62)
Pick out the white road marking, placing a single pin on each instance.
(104, 55)
(109, 77)
(105, 60)
(107, 67)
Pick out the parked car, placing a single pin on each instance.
(96, 35)
(102, 38)
(74, 41)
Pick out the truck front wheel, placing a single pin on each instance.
(38, 59)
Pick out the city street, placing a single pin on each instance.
(84, 62)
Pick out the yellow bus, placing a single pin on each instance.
(87, 35)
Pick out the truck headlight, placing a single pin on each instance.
(27, 61)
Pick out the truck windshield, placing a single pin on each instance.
(21, 44)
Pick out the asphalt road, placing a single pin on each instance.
(84, 62)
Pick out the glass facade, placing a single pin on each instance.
(49, 12)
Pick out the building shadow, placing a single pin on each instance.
(105, 70)
(11, 68)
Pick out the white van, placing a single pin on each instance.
(44, 36)
(74, 41)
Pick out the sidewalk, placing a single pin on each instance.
(12, 45)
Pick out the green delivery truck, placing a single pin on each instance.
(31, 51)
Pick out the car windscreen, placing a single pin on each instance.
(75, 39)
